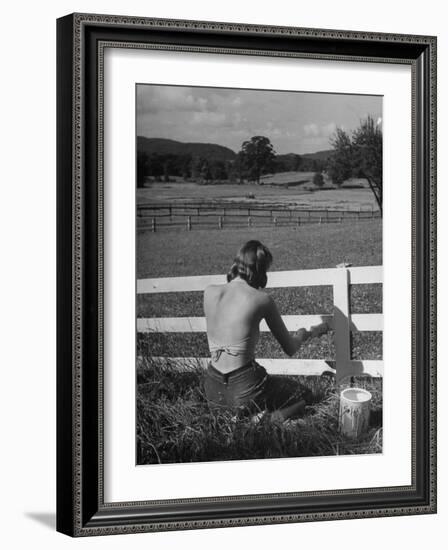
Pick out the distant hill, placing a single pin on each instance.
(306, 162)
(319, 155)
(160, 146)
(288, 157)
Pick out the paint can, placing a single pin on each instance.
(354, 412)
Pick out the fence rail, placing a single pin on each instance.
(342, 321)
(156, 217)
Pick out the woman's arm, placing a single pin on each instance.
(290, 344)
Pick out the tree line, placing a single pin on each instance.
(256, 157)
(358, 155)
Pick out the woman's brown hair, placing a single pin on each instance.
(251, 264)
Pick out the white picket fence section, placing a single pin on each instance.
(341, 321)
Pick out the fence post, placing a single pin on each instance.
(220, 222)
(189, 223)
(341, 320)
(153, 225)
(249, 222)
(275, 221)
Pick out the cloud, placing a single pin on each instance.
(321, 131)
(328, 129)
(156, 99)
(208, 119)
(311, 130)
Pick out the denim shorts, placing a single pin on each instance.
(250, 387)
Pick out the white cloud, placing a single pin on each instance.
(315, 130)
(208, 119)
(156, 99)
(328, 129)
(311, 129)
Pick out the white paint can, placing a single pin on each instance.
(354, 411)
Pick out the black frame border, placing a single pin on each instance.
(81, 39)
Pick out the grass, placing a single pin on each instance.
(175, 423)
(203, 252)
(353, 195)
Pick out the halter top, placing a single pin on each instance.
(244, 348)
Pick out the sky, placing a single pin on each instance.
(295, 122)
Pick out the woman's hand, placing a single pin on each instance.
(318, 330)
(302, 335)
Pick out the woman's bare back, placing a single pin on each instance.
(233, 312)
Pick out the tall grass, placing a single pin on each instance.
(176, 424)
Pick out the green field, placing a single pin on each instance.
(288, 188)
(203, 252)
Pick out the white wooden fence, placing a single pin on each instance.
(341, 321)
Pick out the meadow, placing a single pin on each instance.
(289, 188)
(174, 421)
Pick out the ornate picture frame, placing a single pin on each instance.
(81, 506)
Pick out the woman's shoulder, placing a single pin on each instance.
(213, 290)
(259, 297)
(264, 298)
(213, 287)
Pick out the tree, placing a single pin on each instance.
(318, 179)
(238, 167)
(166, 171)
(297, 163)
(360, 155)
(142, 168)
(257, 155)
(367, 143)
(195, 168)
(186, 167)
(205, 172)
(340, 163)
(218, 170)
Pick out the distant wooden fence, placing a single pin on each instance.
(156, 217)
(342, 321)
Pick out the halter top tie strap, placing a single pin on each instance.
(243, 347)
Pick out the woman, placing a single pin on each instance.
(233, 312)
